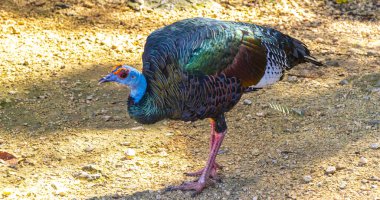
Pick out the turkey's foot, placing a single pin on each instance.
(198, 186)
(213, 173)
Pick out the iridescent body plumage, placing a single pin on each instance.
(199, 68)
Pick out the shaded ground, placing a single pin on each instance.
(56, 119)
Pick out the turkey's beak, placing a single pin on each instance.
(108, 78)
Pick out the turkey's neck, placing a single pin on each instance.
(138, 89)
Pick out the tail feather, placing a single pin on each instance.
(301, 54)
(313, 60)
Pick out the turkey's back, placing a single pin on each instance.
(199, 68)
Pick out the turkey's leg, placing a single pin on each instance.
(215, 165)
(200, 184)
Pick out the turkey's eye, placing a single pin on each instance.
(133, 77)
(123, 74)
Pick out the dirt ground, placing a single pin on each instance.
(71, 136)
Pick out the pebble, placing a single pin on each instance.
(90, 97)
(307, 178)
(107, 118)
(374, 146)
(247, 102)
(91, 168)
(343, 82)
(342, 185)
(319, 40)
(87, 176)
(363, 161)
(137, 128)
(371, 53)
(330, 170)
(130, 154)
(89, 149)
(292, 79)
(125, 143)
(332, 63)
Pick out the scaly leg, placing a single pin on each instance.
(198, 185)
(215, 165)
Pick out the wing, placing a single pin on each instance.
(199, 46)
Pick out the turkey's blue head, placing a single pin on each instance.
(129, 76)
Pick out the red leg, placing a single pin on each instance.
(199, 185)
(215, 165)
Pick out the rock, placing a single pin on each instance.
(247, 102)
(371, 53)
(85, 175)
(12, 92)
(292, 79)
(340, 166)
(374, 146)
(89, 149)
(363, 161)
(330, 170)
(107, 118)
(307, 178)
(89, 97)
(319, 40)
(260, 114)
(374, 122)
(343, 82)
(163, 154)
(137, 128)
(91, 168)
(342, 185)
(130, 154)
(125, 143)
(333, 63)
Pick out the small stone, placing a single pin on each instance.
(247, 102)
(91, 168)
(260, 114)
(319, 40)
(371, 53)
(12, 92)
(255, 198)
(307, 178)
(89, 149)
(137, 128)
(125, 143)
(107, 118)
(130, 154)
(342, 185)
(374, 122)
(333, 63)
(163, 154)
(343, 82)
(90, 97)
(363, 161)
(374, 146)
(292, 79)
(330, 170)
(374, 186)
(340, 166)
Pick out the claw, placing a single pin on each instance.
(198, 186)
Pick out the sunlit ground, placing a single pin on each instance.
(56, 119)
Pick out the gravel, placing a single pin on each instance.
(330, 170)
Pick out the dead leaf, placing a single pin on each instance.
(8, 158)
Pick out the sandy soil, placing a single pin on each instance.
(70, 135)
